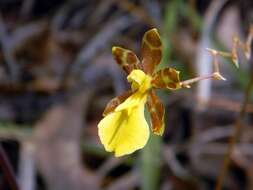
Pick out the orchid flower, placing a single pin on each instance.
(124, 128)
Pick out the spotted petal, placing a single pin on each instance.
(110, 107)
(156, 110)
(125, 58)
(167, 78)
(151, 50)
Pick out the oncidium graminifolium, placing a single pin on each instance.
(124, 128)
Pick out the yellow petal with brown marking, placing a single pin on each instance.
(125, 58)
(157, 111)
(167, 78)
(151, 50)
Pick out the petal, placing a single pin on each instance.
(124, 131)
(133, 101)
(151, 50)
(156, 110)
(125, 59)
(167, 78)
(110, 107)
(140, 81)
(136, 77)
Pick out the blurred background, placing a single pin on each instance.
(57, 73)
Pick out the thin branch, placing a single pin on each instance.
(188, 82)
(215, 75)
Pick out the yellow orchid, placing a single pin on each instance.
(124, 128)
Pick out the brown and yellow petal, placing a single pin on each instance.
(110, 107)
(125, 58)
(151, 51)
(167, 78)
(156, 110)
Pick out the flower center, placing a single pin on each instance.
(139, 80)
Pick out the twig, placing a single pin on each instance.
(237, 43)
(187, 83)
(215, 75)
(7, 170)
(238, 126)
